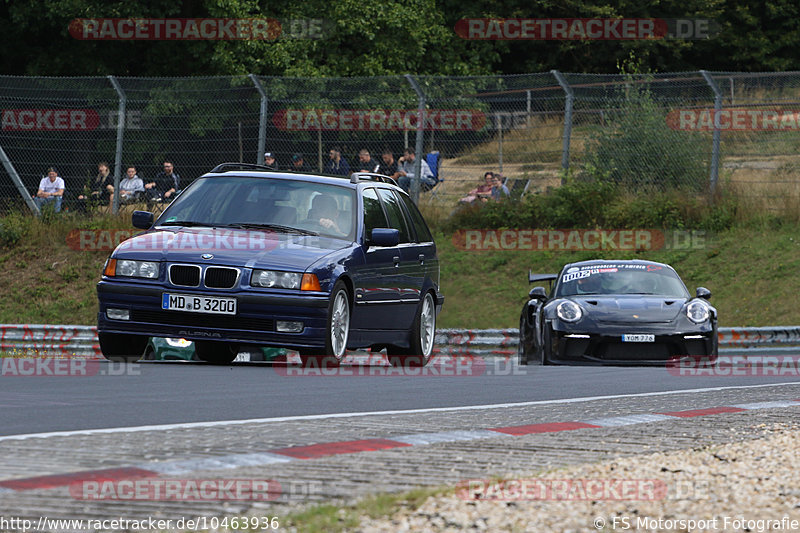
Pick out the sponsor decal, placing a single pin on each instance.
(378, 119)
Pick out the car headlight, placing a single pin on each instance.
(697, 312)
(569, 311)
(277, 279)
(132, 269)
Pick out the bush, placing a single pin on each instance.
(13, 227)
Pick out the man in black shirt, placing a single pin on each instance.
(298, 164)
(365, 162)
(388, 166)
(165, 185)
(269, 161)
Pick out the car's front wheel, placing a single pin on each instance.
(122, 346)
(422, 336)
(522, 347)
(337, 331)
(216, 352)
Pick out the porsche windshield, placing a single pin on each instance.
(265, 203)
(621, 279)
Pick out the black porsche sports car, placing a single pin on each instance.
(615, 312)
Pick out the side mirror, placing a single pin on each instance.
(385, 237)
(142, 219)
(538, 293)
(703, 293)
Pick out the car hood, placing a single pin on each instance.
(640, 309)
(232, 247)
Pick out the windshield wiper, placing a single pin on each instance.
(187, 223)
(274, 227)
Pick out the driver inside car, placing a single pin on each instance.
(590, 284)
(325, 213)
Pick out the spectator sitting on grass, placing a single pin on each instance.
(131, 188)
(481, 192)
(389, 165)
(51, 190)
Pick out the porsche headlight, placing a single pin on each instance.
(569, 311)
(276, 279)
(697, 312)
(136, 269)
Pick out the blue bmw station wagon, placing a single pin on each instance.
(248, 256)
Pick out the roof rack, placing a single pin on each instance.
(355, 177)
(225, 167)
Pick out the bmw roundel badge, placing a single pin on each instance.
(207, 256)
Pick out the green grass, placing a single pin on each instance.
(326, 518)
(751, 271)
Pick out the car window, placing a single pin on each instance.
(322, 208)
(395, 213)
(621, 279)
(373, 212)
(423, 233)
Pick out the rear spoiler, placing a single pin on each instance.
(541, 277)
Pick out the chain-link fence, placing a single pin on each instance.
(694, 130)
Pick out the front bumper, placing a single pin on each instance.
(607, 347)
(254, 323)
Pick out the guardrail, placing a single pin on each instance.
(67, 341)
(27, 340)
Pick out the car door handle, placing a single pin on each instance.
(396, 260)
(421, 259)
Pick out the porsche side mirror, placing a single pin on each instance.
(703, 293)
(537, 293)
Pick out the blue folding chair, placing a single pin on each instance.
(433, 161)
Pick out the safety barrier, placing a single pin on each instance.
(27, 340)
(81, 341)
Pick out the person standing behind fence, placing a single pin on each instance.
(298, 164)
(366, 163)
(98, 191)
(337, 164)
(51, 190)
(406, 171)
(165, 185)
(270, 162)
(131, 188)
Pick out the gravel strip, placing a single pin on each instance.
(744, 486)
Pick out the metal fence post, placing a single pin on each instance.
(262, 120)
(123, 100)
(419, 146)
(570, 97)
(499, 121)
(18, 182)
(712, 185)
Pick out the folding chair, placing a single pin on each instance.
(433, 161)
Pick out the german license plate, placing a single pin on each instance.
(638, 338)
(198, 304)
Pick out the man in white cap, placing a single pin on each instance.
(269, 161)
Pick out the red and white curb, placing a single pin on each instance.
(329, 449)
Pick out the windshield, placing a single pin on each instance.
(621, 279)
(272, 204)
